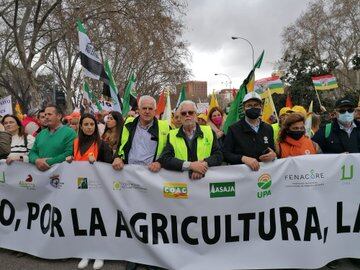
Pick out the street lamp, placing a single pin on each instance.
(252, 47)
(216, 74)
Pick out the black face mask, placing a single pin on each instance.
(253, 113)
(296, 135)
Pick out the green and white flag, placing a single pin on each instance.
(113, 88)
(89, 99)
(182, 96)
(127, 95)
(92, 66)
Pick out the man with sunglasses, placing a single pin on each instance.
(342, 135)
(250, 140)
(191, 147)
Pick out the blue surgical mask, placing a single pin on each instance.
(346, 117)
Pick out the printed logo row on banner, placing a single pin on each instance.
(180, 190)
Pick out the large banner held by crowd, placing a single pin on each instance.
(294, 213)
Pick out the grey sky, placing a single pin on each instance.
(211, 23)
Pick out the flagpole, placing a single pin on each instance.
(318, 97)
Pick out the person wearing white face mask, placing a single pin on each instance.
(342, 135)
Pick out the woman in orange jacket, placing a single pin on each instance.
(89, 147)
(292, 138)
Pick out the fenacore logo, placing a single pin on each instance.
(175, 190)
(2, 177)
(347, 173)
(222, 189)
(264, 183)
(312, 175)
(82, 183)
(28, 183)
(118, 185)
(55, 181)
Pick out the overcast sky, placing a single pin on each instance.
(211, 23)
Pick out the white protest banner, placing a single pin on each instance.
(293, 213)
(6, 106)
(202, 107)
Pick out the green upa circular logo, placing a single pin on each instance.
(264, 181)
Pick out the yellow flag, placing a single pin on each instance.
(269, 108)
(18, 111)
(251, 84)
(213, 102)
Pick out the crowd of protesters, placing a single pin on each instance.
(192, 143)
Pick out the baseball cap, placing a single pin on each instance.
(299, 109)
(342, 102)
(252, 95)
(285, 110)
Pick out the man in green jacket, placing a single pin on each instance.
(54, 143)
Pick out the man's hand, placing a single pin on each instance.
(69, 159)
(154, 167)
(251, 162)
(196, 176)
(41, 164)
(199, 167)
(9, 160)
(269, 156)
(118, 164)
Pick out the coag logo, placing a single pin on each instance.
(175, 190)
(82, 183)
(222, 189)
(264, 183)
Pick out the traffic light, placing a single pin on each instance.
(60, 98)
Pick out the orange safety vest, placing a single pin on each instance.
(291, 147)
(93, 150)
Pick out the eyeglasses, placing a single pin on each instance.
(191, 113)
(350, 110)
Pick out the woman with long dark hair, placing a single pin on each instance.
(89, 147)
(21, 143)
(114, 124)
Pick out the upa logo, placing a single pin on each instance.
(175, 190)
(222, 189)
(264, 183)
(347, 172)
(2, 177)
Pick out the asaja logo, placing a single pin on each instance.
(2, 177)
(175, 190)
(347, 173)
(222, 189)
(264, 183)
(82, 183)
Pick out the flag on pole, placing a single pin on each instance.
(161, 104)
(273, 83)
(288, 102)
(308, 121)
(167, 112)
(182, 96)
(89, 99)
(113, 88)
(324, 82)
(236, 108)
(92, 66)
(127, 95)
(213, 102)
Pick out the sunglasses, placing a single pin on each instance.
(350, 110)
(191, 113)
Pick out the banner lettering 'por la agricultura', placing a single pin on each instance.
(294, 213)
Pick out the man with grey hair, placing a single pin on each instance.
(143, 138)
(192, 147)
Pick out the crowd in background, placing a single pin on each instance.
(192, 142)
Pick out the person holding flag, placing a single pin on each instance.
(250, 140)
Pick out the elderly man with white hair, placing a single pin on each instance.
(143, 138)
(191, 147)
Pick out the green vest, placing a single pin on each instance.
(204, 144)
(162, 136)
(276, 130)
